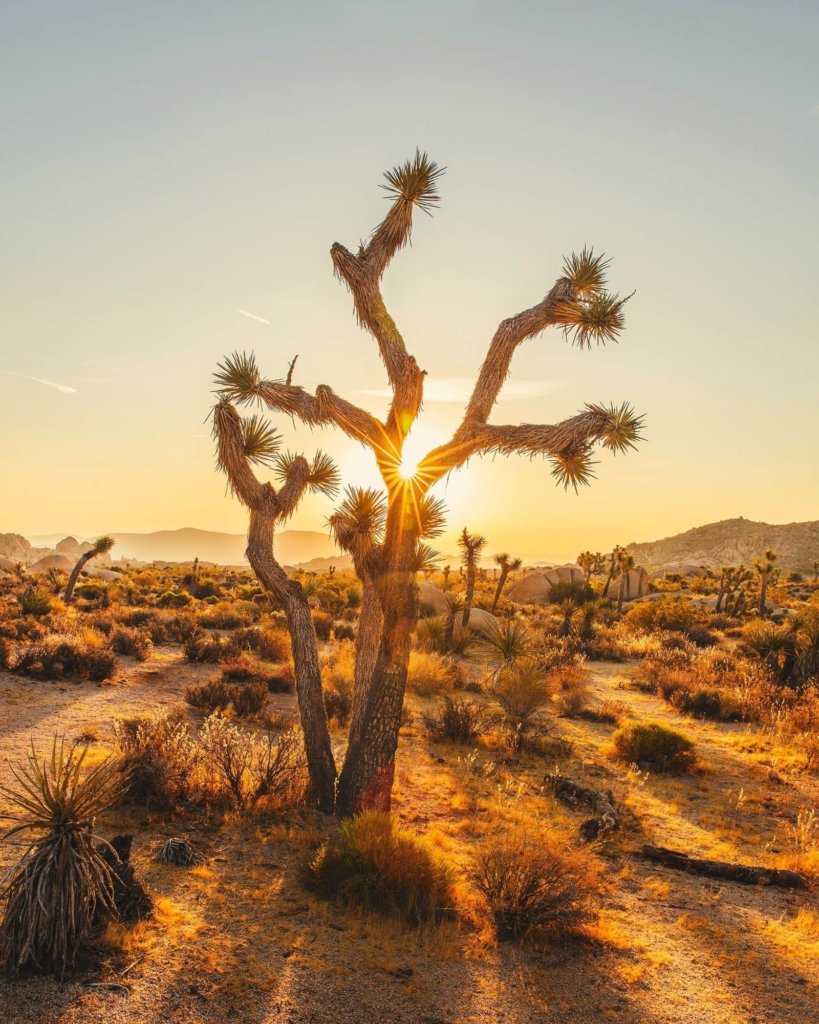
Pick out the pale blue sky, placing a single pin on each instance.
(167, 164)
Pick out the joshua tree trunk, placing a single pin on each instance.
(367, 644)
(366, 779)
(763, 594)
(469, 597)
(82, 561)
(721, 594)
(320, 762)
(499, 589)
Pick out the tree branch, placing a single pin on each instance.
(231, 457)
(321, 409)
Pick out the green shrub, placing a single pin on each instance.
(372, 863)
(173, 599)
(654, 744)
(674, 613)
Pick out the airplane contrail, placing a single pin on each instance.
(252, 316)
(64, 389)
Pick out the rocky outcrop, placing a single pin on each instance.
(480, 621)
(731, 542)
(637, 584)
(535, 587)
(15, 547)
(51, 562)
(433, 600)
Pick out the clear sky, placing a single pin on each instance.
(168, 164)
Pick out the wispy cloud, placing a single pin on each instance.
(457, 390)
(64, 389)
(253, 316)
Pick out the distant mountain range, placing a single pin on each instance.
(292, 546)
(731, 542)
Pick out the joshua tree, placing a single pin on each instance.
(101, 547)
(591, 562)
(578, 304)
(506, 565)
(240, 444)
(471, 545)
(625, 563)
(731, 579)
(764, 568)
(614, 561)
(447, 569)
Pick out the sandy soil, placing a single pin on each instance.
(238, 939)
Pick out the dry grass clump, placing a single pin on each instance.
(158, 757)
(431, 675)
(166, 761)
(521, 694)
(203, 648)
(655, 745)
(137, 642)
(209, 697)
(673, 614)
(372, 863)
(323, 625)
(63, 883)
(66, 657)
(250, 766)
(229, 615)
(456, 721)
(571, 685)
(179, 852)
(35, 600)
(535, 885)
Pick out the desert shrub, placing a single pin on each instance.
(58, 657)
(323, 624)
(520, 694)
(459, 721)
(282, 679)
(249, 766)
(654, 744)
(338, 700)
(571, 684)
(201, 647)
(353, 597)
(676, 614)
(337, 675)
(158, 758)
(229, 615)
(131, 641)
(35, 600)
(373, 863)
(248, 698)
(173, 599)
(430, 674)
(243, 668)
(504, 643)
(270, 644)
(7, 657)
(63, 883)
(536, 885)
(209, 697)
(430, 634)
(578, 593)
(177, 629)
(344, 631)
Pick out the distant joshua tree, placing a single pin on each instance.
(765, 569)
(507, 565)
(471, 545)
(591, 562)
(101, 547)
(578, 304)
(447, 569)
(625, 563)
(614, 561)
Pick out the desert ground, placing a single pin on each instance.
(239, 935)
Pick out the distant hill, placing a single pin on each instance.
(731, 542)
(292, 546)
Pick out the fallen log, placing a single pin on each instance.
(746, 874)
(573, 795)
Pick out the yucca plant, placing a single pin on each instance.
(63, 882)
